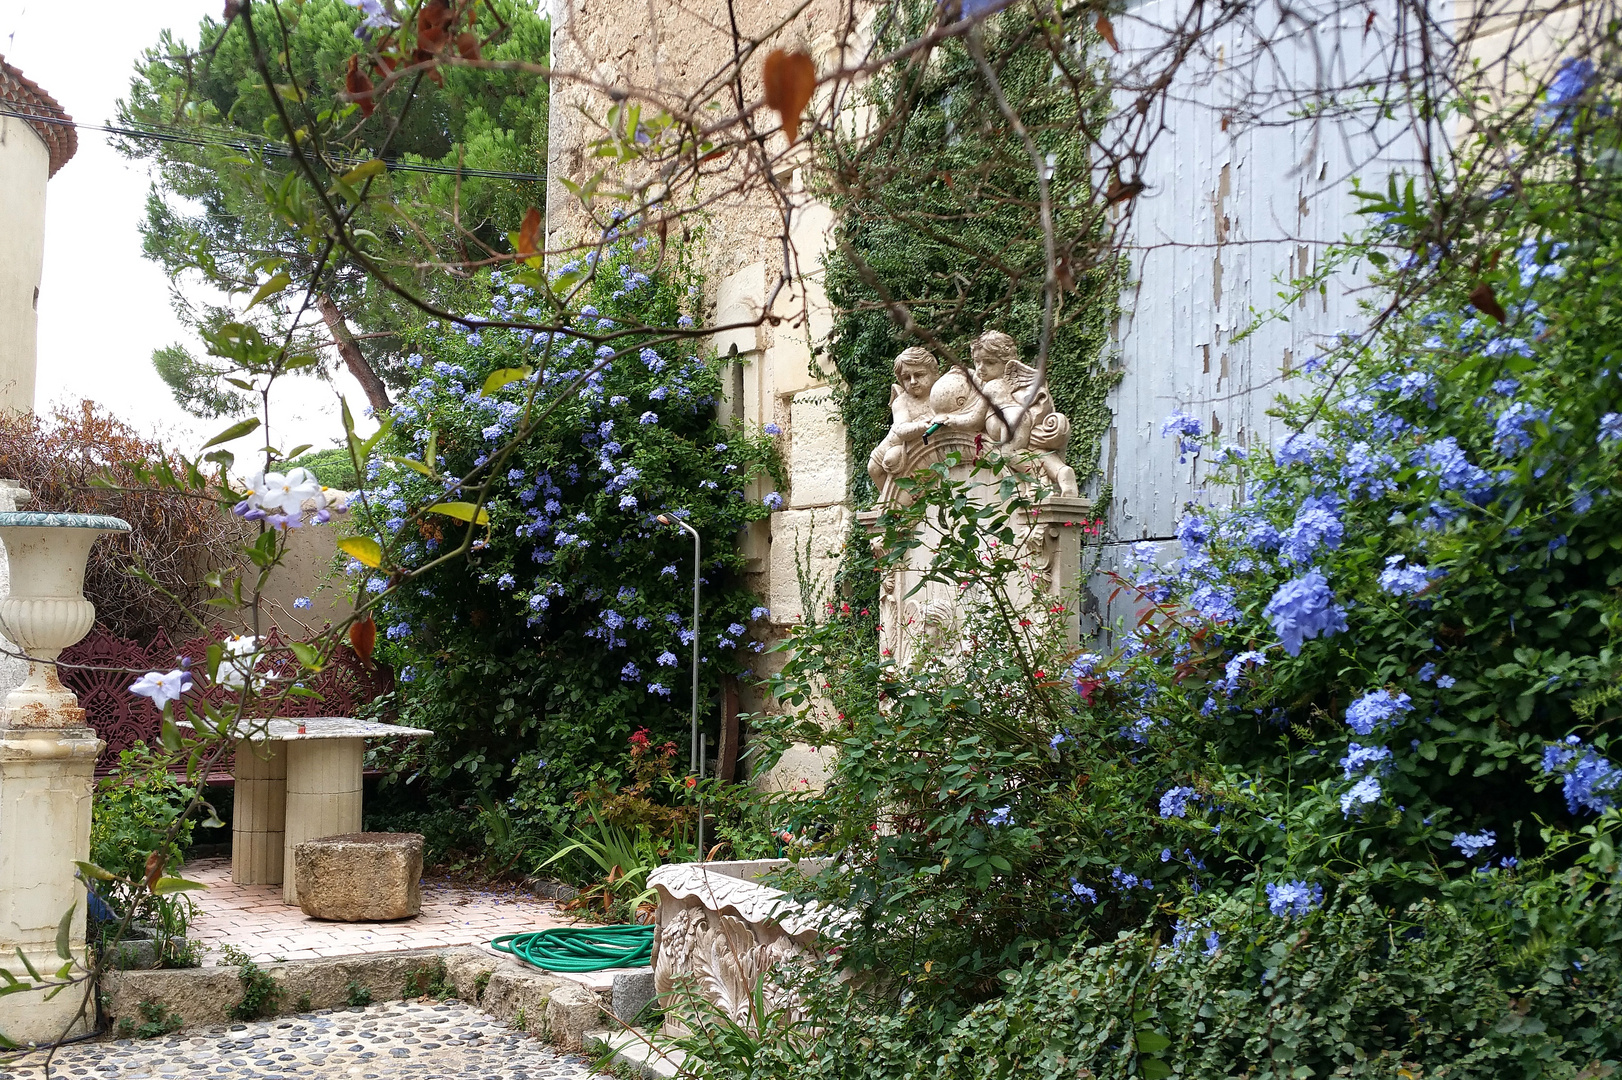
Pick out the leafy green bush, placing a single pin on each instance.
(566, 628)
(133, 811)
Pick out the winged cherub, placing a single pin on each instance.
(916, 370)
(1019, 412)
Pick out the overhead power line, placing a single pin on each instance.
(265, 148)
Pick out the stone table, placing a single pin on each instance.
(296, 780)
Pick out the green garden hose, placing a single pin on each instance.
(581, 948)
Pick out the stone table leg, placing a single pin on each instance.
(323, 796)
(46, 781)
(259, 813)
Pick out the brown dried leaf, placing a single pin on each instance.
(433, 26)
(359, 86)
(529, 234)
(423, 56)
(789, 79)
(1484, 300)
(467, 45)
(1119, 191)
(154, 869)
(363, 639)
(1106, 30)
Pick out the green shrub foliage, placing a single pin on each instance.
(568, 626)
(939, 203)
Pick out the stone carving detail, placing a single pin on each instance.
(719, 932)
(1001, 406)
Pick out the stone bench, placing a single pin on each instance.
(360, 877)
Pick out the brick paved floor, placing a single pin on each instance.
(254, 919)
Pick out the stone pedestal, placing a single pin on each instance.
(323, 796)
(259, 813)
(46, 783)
(359, 877)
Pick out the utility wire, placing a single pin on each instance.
(266, 148)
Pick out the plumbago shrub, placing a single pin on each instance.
(568, 626)
(1345, 801)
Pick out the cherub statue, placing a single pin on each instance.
(1019, 413)
(916, 370)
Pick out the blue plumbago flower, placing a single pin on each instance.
(1473, 844)
(1236, 666)
(1421, 383)
(1124, 880)
(1570, 80)
(505, 581)
(398, 630)
(1364, 793)
(1215, 602)
(1359, 759)
(666, 659)
(1365, 471)
(1188, 430)
(1610, 427)
(1083, 892)
(612, 619)
(630, 673)
(1317, 522)
(735, 630)
(1427, 672)
(1443, 682)
(1174, 803)
(1446, 460)
(1299, 449)
(998, 816)
(1509, 432)
(649, 417)
(627, 502)
(1293, 897)
(1304, 608)
(670, 616)
(1591, 783)
(760, 613)
(1375, 708)
(658, 688)
(772, 501)
(1400, 580)
(1505, 387)
(670, 570)
(772, 429)
(1063, 736)
(1264, 536)
(1213, 942)
(303, 603)
(1192, 533)
(1165, 854)
(1504, 345)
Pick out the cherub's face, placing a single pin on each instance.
(987, 364)
(916, 381)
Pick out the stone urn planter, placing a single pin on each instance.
(46, 610)
(721, 930)
(47, 761)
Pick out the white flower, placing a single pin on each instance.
(288, 493)
(241, 651)
(162, 689)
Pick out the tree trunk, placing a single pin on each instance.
(355, 360)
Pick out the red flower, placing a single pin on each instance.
(639, 737)
(692, 782)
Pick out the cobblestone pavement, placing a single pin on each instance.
(425, 1039)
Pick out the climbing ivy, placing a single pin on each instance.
(940, 202)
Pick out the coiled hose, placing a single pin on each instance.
(581, 948)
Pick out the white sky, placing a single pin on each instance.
(103, 308)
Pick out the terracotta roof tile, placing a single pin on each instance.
(20, 94)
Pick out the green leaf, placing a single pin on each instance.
(365, 171)
(166, 885)
(297, 450)
(169, 734)
(32, 970)
(91, 870)
(276, 284)
(64, 933)
(235, 431)
(364, 548)
(462, 511)
(502, 376)
(307, 655)
(411, 463)
(1152, 1042)
(1153, 1068)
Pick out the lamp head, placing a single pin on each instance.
(662, 519)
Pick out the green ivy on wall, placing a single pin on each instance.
(940, 201)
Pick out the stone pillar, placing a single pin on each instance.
(259, 813)
(323, 795)
(46, 783)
